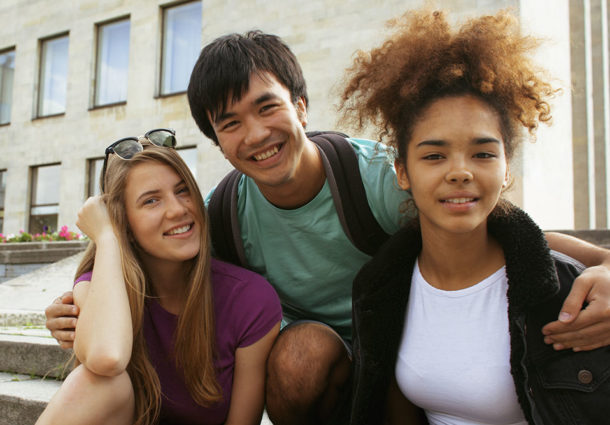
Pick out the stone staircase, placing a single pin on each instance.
(31, 362)
(32, 365)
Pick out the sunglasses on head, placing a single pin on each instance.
(127, 147)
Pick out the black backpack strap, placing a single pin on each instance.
(345, 182)
(224, 224)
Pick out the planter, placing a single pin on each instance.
(19, 258)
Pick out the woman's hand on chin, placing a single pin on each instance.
(93, 219)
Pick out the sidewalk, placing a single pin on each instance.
(23, 299)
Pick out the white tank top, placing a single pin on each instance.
(454, 355)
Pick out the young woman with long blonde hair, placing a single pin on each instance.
(166, 334)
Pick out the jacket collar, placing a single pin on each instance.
(529, 265)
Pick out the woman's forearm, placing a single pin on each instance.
(104, 334)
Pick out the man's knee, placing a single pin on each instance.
(302, 361)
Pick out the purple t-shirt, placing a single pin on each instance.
(246, 308)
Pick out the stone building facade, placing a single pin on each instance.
(49, 151)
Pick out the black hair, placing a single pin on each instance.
(222, 73)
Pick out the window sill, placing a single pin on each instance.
(42, 117)
(107, 105)
(162, 96)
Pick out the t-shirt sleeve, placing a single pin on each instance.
(385, 197)
(257, 309)
(206, 200)
(85, 277)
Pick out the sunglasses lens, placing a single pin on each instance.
(127, 148)
(163, 138)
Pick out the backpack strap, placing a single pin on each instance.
(349, 196)
(224, 224)
(345, 183)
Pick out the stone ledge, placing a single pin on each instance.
(39, 252)
(16, 246)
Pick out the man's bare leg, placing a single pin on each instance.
(308, 375)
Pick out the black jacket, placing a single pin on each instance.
(553, 387)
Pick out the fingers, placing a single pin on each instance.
(589, 338)
(93, 217)
(65, 298)
(61, 319)
(590, 330)
(56, 311)
(62, 329)
(586, 329)
(64, 338)
(62, 324)
(575, 300)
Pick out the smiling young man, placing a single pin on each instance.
(262, 136)
(248, 95)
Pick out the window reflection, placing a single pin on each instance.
(112, 63)
(44, 206)
(181, 45)
(189, 155)
(7, 71)
(53, 76)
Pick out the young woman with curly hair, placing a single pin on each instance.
(447, 316)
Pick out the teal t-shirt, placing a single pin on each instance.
(304, 252)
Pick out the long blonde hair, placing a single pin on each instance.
(195, 332)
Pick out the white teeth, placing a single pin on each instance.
(179, 230)
(459, 200)
(267, 154)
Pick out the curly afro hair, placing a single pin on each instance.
(426, 59)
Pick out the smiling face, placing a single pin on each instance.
(161, 213)
(263, 133)
(456, 166)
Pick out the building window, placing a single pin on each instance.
(94, 167)
(44, 204)
(2, 195)
(181, 45)
(112, 63)
(7, 69)
(189, 155)
(53, 76)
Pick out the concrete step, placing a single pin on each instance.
(29, 353)
(32, 351)
(11, 317)
(23, 398)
